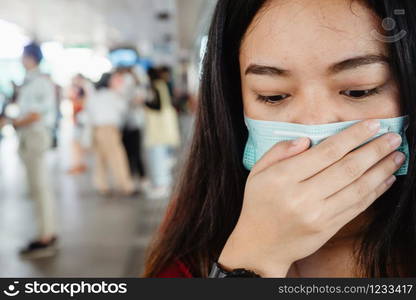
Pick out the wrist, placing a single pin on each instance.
(234, 256)
(263, 268)
(272, 271)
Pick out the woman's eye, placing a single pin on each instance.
(272, 99)
(358, 94)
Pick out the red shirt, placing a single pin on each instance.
(176, 270)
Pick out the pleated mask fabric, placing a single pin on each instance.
(263, 135)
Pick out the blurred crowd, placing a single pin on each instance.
(128, 122)
(126, 118)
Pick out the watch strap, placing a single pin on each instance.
(218, 272)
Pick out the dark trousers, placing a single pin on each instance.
(132, 140)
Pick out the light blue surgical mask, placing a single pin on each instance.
(263, 135)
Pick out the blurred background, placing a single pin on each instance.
(125, 78)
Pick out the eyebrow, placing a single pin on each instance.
(266, 70)
(356, 62)
(345, 65)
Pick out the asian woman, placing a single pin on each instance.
(330, 210)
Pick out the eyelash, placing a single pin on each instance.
(367, 94)
(266, 99)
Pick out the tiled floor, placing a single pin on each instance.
(99, 237)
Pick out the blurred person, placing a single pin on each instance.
(132, 134)
(162, 134)
(165, 74)
(106, 111)
(58, 115)
(36, 99)
(79, 91)
(182, 92)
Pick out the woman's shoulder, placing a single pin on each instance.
(177, 269)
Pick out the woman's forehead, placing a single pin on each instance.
(312, 29)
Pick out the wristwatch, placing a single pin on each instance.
(218, 272)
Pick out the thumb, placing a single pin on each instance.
(279, 152)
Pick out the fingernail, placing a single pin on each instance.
(395, 140)
(391, 180)
(399, 158)
(373, 125)
(297, 142)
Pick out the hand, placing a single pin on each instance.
(139, 100)
(33, 117)
(27, 120)
(3, 121)
(297, 198)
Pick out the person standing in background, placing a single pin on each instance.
(36, 100)
(78, 93)
(162, 134)
(106, 111)
(135, 95)
(58, 115)
(165, 73)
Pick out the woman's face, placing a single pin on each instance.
(316, 62)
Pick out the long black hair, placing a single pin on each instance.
(207, 201)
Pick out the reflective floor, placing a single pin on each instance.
(99, 237)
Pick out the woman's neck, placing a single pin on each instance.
(335, 258)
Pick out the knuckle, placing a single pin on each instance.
(379, 149)
(361, 189)
(272, 177)
(293, 209)
(280, 175)
(269, 181)
(361, 205)
(312, 221)
(364, 203)
(388, 169)
(351, 168)
(357, 133)
(381, 189)
(331, 151)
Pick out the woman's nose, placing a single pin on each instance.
(314, 108)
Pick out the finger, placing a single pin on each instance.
(279, 152)
(351, 213)
(358, 195)
(352, 166)
(330, 150)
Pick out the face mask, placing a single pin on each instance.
(263, 135)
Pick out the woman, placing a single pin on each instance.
(106, 112)
(308, 62)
